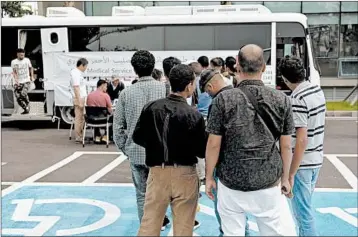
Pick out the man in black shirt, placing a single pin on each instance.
(114, 88)
(173, 135)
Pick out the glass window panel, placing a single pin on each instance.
(349, 7)
(204, 3)
(88, 8)
(103, 8)
(171, 3)
(131, 38)
(83, 39)
(324, 31)
(284, 6)
(349, 35)
(191, 38)
(318, 7)
(141, 4)
(329, 67)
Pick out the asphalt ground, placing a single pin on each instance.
(30, 147)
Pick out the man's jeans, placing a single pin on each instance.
(140, 176)
(305, 182)
(247, 230)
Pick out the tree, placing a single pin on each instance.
(13, 9)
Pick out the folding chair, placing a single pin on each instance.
(96, 117)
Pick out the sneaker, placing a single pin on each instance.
(166, 223)
(78, 140)
(97, 139)
(104, 139)
(26, 111)
(196, 224)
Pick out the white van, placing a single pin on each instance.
(54, 43)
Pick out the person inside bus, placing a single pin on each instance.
(99, 98)
(115, 87)
(23, 75)
(79, 92)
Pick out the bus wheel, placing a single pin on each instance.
(67, 114)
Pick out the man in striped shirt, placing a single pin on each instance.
(309, 107)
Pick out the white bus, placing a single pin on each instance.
(54, 43)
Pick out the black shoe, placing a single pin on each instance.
(166, 223)
(196, 224)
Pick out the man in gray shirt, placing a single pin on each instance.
(243, 126)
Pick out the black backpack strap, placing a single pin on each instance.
(264, 116)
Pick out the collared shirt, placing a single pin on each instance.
(129, 106)
(172, 132)
(249, 158)
(222, 89)
(309, 111)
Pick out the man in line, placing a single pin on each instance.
(115, 87)
(309, 107)
(129, 106)
(173, 135)
(79, 93)
(213, 83)
(23, 74)
(99, 98)
(168, 64)
(242, 146)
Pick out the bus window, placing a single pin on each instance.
(9, 38)
(83, 39)
(291, 41)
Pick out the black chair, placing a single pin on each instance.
(96, 117)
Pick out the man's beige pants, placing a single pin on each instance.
(177, 186)
(79, 122)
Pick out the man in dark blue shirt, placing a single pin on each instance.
(173, 135)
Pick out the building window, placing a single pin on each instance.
(171, 3)
(349, 7)
(103, 8)
(284, 6)
(248, 3)
(349, 35)
(320, 7)
(324, 30)
(141, 4)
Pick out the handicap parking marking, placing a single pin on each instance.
(44, 209)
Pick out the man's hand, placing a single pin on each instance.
(286, 188)
(210, 185)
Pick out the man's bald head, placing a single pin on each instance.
(251, 59)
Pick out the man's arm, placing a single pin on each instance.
(31, 69)
(201, 137)
(212, 154)
(300, 117)
(140, 132)
(119, 123)
(16, 77)
(108, 103)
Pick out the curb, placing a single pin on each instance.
(348, 114)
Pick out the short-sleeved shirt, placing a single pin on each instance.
(22, 69)
(98, 98)
(309, 111)
(78, 80)
(249, 157)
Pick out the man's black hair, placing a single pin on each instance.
(180, 77)
(20, 50)
(203, 61)
(230, 63)
(168, 64)
(101, 82)
(292, 69)
(143, 63)
(82, 62)
(217, 62)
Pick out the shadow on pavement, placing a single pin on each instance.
(31, 124)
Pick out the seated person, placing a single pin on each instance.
(115, 87)
(99, 98)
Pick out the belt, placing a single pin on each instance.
(173, 165)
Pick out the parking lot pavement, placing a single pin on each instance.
(41, 164)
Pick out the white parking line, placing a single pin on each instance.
(105, 170)
(344, 170)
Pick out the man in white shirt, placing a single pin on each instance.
(23, 75)
(79, 93)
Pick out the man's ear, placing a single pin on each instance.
(264, 68)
